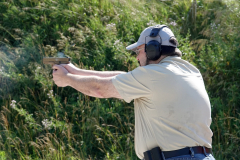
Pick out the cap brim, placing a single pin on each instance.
(134, 46)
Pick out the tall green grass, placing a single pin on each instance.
(41, 121)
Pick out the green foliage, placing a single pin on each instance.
(41, 121)
(2, 155)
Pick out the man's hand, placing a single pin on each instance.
(70, 68)
(60, 76)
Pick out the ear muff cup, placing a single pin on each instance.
(153, 50)
(153, 47)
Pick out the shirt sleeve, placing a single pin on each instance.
(131, 85)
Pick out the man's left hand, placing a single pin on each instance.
(60, 76)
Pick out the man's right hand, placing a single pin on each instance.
(70, 68)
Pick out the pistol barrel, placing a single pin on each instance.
(54, 60)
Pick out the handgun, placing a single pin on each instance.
(60, 59)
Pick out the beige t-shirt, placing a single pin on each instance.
(172, 108)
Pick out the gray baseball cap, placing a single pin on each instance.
(164, 35)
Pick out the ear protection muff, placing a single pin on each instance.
(153, 47)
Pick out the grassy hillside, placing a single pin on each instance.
(38, 120)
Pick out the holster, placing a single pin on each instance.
(154, 154)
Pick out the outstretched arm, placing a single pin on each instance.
(77, 71)
(101, 87)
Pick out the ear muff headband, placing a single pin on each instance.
(153, 47)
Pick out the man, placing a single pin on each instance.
(172, 108)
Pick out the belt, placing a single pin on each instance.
(157, 154)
